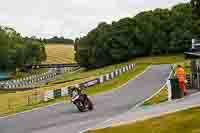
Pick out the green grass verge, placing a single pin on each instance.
(164, 59)
(23, 108)
(159, 98)
(84, 74)
(118, 81)
(180, 122)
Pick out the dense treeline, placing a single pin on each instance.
(16, 51)
(156, 32)
(196, 18)
(60, 40)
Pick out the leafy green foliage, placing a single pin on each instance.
(59, 40)
(15, 51)
(196, 18)
(161, 31)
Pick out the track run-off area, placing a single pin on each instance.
(64, 118)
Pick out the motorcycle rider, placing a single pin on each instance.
(82, 102)
(73, 89)
(181, 76)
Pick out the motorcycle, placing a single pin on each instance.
(81, 100)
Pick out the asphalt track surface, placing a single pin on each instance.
(63, 118)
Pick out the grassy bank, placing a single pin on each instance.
(164, 59)
(117, 82)
(180, 122)
(83, 74)
(159, 98)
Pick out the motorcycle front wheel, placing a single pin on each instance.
(80, 106)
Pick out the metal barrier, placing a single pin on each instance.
(27, 82)
(36, 66)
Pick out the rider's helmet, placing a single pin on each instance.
(74, 91)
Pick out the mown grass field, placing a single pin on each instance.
(180, 122)
(59, 54)
(56, 54)
(17, 101)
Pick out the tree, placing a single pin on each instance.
(196, 18)
(16, 51)
(60, 40)
(156, 32)
(196, 7)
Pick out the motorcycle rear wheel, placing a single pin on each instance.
(89, 104)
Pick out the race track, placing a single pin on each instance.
(64, 118)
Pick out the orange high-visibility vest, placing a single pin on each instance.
(180, 74)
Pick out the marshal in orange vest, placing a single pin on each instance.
(181, 76)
